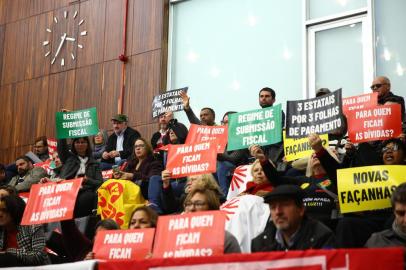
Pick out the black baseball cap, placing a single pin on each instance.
(285, 192)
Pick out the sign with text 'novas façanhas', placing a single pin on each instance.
(76, 124)
(317, 115)
(262, 127)
(169, 101)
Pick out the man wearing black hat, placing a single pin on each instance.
(120, 144)
(289, 227)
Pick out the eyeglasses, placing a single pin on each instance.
(377, 86)
(196, 204)
(139, 145)
(394, 148)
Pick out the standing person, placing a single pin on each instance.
(207, 115)
(19, 245)
(79, 162)
(120, 144)
(158, 137)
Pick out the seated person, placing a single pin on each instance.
(79, 162)
(3, 176)
(395, 236)
(289, 227)
(19, 245)
(40, 148)
(27, 174)
(143, 217)
(141, 166)
(100, 142)
(201, 198)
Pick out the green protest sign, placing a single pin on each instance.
(76, 124)
(260, 127)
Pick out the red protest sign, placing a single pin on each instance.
(217, 134)
(190, 235)
(123, 244)
(375, 123)
(51, 146)
(45, 165)
(51, 202)
(191, 159)
(359, 102)
(108, 174)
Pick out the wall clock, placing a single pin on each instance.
(62, 36)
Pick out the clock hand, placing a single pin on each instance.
(63, 38)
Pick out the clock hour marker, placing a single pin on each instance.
(73, 56)
(81, 21)
(55, 20)
(49, 30)
(48, 53)
(70, 39)
(80, 46)
(75, 14)
(65, 14)
(83, 33)
(46, 42)
(62, 61)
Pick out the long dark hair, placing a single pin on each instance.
(89, 151)
(15, 206)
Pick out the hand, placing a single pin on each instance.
(402, 137)
(315, 142)
(89, 256)
(106, 155)
(257, 152)
(349, 147)
(127, 176)
(65, 110)
(185, 100)
(44, 180)
(166, 178)
(114, 154)
(117, 175)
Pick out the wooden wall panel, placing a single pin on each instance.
(88, 87)
(110, 93)
(70, 27)
(40, 6)
(60, 96)
(15, 51)
(93, 12)
(113, 38)
(17, 9)
(6, 155)
(37, 64)
(147, 130)
(143, 85)
(3, 14)
(63, 3)
(20, 151)
(32, 96)
(8, 108)
(2, 33)
(147, 24)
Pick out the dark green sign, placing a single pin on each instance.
(260, 127)
(76, 124)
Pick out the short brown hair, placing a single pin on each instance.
(211, 197)
(152, 215)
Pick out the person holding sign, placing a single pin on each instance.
(207, 115)
(78, 163)
(141, 166)
(203, 199)
(19, 245)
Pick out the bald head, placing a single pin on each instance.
(381, 85)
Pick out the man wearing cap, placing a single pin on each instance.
(120, 144)
(289, 227)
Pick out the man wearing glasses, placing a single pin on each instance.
(382, 86)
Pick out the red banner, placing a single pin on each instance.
(359, 102)
(191, 159)
(123, 244)
(51, 202)
(197, 234)
(348, 259)
(108, 174)
(51, 146)
(45, 165)
(217, 134)
(375, 123)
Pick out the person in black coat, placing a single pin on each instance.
(290, 228)
(79, 162)
(115, 151)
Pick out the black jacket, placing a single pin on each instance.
(311, 235)
(71, 164)
(130, 136)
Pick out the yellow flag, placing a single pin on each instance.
(117, 199)
(368, 188)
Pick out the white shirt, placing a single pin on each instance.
(119, 145)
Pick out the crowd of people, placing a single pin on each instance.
(287, 187)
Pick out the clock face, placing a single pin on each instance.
(62, 43)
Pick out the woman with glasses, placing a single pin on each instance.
(79, 162)
(141, 165)
(19, 245)
(201, 198)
